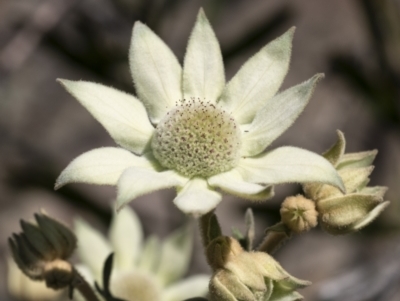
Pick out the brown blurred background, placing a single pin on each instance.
(355, 43)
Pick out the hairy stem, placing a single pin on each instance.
(209, 228)
(275, 237)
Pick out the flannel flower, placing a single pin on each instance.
(146, 270)
(189, 129)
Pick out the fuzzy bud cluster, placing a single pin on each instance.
(342, 213)
(249, 276)
(41, 250)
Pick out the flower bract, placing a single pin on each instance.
(342, 213)
(188, 128)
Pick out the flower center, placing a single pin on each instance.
(135, 286)
(197, 138)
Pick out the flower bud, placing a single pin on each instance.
(250, 276)
(341, 213)
(41, 249)
(298, 213)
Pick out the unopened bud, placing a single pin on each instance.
(299, 214)
(342, 213)
(40, 250)
(249, 276)
(221, 249)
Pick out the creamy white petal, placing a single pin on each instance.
(155, 70)
(136, 181)
(122, 115)
(93, 248)
(193, 286)
(233, 183)
(150, 255)
(258, 79)
(197, 198)
(127, 249)
(203, 69)
(276, 116)
(175, 256)
(102, 166)
(289, 164)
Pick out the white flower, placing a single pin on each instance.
(191, 131)
(146, 271)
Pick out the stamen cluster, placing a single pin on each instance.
(196, 138)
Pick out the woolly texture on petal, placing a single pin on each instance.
(289, 164)
(155, 70)
(197, 198)
(102, 166)
(123, 115)
(203, 71)
(135, 182)
(277, 114)
(258, 79)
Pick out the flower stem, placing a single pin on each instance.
(209, 228)
(83, 287)
(275, 237)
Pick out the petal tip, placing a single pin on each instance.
(291, 31)
(317, 77)
(138, 26)
(60, 182)
(58, 185)
(201, 13)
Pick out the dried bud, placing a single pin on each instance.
(342, 213)
(251, 276)
(298, 213)
(40, 250)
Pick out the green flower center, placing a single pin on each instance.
(197, 138)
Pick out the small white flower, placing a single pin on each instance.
(192, 131)
(146, 271)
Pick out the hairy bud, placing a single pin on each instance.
(298, 213)
(342, 213)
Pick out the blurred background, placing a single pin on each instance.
(42, 128)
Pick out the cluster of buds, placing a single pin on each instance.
(341, 213)
(244, 275)
(248, 276)
(42, 249)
